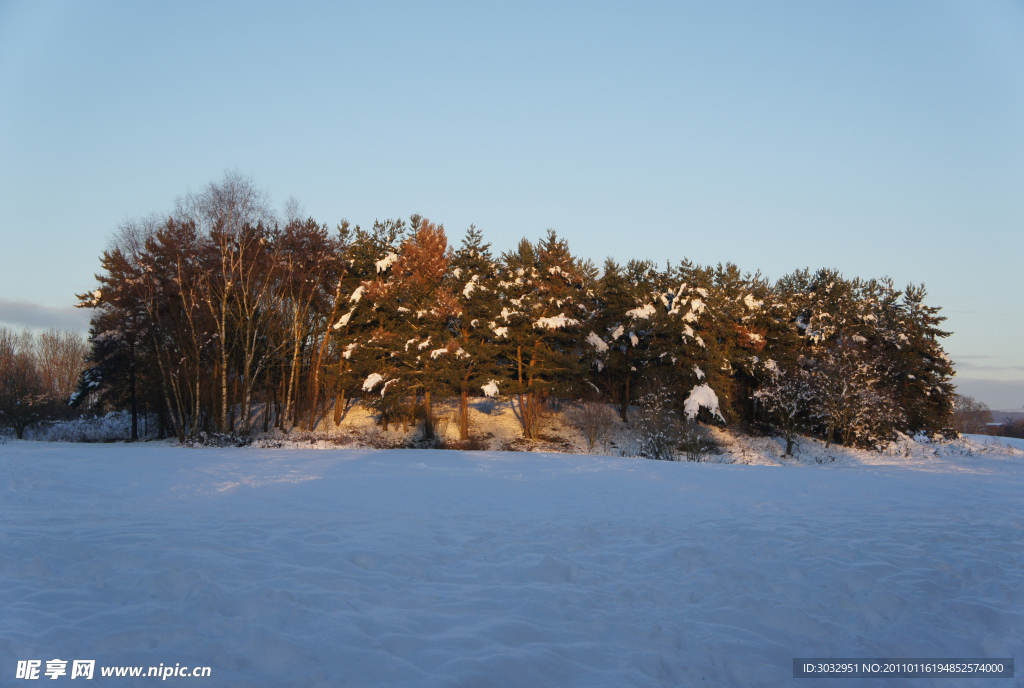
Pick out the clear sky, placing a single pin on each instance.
(879, 138)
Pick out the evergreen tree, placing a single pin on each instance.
(471, 360)
(543, 305)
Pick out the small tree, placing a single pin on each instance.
(594, 420)
(696, 441)
(658, 423)
(788, 401)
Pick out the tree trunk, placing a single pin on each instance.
(278, 396)
(339, 405)
(464, 415)
(223, 364)
(134, 401)
(293, 382)
(428, 417)
(234, 400)
(266, 411)
(624, 402)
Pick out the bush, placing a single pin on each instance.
(697, 442)
(658, 424)
(595, 421)
(218, 439)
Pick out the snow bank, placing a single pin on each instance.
(989, 440)
(429, 568)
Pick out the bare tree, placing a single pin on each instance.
(970, 416)
(594, 420)
(232, 216)
(20, 385)
(60, 357)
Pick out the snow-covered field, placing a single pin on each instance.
(287, 567)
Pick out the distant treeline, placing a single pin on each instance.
(38, 374)
(223, 318)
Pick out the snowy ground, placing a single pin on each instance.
(286, 567)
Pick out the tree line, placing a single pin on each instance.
(222, 318)
(38, 375)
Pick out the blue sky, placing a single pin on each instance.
(879, 138)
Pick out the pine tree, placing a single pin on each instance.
(473, 280)
(617, 356)
(543, 299)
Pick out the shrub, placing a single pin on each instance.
(594, 420)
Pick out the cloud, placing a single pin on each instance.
(25, 314)
(1002, 395)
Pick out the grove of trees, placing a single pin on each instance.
(221, 318)
(38, 375)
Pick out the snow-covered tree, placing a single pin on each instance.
(851, 400)
(543, 308)
(789, 403)
(470, 362)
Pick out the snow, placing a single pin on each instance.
(490, 389)
(752, 303)
(472, 285)
(345, 318)
(617, 332)
(698, 372)
(372, 381)
(458, 353)
(643, 313)
(440, 568)
(386, 262)
(596, 342)
(555, 322)
(990, 441)
(633, 339)
(702, 395)
(357, 294)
